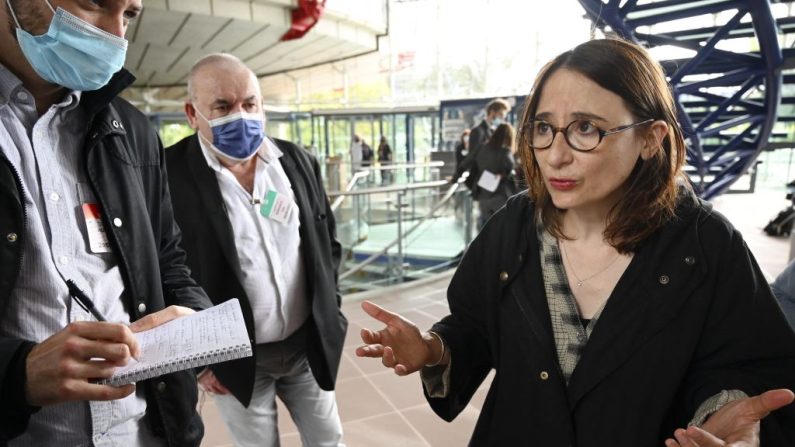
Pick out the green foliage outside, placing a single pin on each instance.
(171, 133)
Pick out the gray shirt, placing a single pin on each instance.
(46, 152)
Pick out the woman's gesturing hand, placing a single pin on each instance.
(734, 425)
(400, 345)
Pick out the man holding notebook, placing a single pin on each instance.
(257, 226)
(84, 202)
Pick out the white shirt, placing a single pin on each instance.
(271, 264)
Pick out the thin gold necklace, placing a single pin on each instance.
(571, 266)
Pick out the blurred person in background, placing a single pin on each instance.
(385, 159)
(496, 164)
(462, 147)
(496, 114)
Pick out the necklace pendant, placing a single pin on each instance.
(579, 283)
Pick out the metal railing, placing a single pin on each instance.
(334, 170)
(400, 204)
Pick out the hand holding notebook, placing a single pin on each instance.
(210, 336)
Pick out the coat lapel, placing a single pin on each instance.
(527, 289)
(298, 183)
(648, 296)
(528, 293)
(215, 210)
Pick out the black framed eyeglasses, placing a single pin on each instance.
(582, 135)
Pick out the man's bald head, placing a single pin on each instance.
(216, 67)
(220, 85)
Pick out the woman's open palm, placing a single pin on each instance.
(400, 345)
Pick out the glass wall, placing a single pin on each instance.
(411, 135)
(339, 138)
(400, 150)
(423, 136)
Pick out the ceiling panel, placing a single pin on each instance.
(198, 29)
(171, 35)
(157, 26)
(234, 34)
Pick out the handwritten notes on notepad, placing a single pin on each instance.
(210, 336)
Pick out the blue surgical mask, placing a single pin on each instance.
(237, 136)
(496, 121)
(74, 53)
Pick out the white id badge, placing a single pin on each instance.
(97, 237)
(276, 206)
(489, 181)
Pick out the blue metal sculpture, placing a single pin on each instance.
(727, 96)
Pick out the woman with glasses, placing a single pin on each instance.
(616, 308)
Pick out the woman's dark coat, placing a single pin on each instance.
(691, 316)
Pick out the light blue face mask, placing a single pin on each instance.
(74, 53)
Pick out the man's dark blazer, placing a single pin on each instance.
(209, 242)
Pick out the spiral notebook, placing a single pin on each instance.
(210, 336)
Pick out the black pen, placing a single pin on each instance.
(83, 300)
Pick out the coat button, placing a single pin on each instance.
(115, 124)
(664, 279)
(690, 260)
(11, 237)
(503, 276)
(117, 222)
(161, 386)
(141, 308)
(544, 375)
(520, 258)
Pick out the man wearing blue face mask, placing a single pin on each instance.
(84, 211)
(257, 226)
(496, 113)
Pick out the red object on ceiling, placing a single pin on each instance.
(304, 18)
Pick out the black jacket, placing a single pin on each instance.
(498, 161)
(209, 241)
(691, 316)
(478, 137)
(125, 166)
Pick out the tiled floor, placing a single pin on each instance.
(377, 407)
(750, 213)
(380, 409)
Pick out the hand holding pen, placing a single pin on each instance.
(62, 367)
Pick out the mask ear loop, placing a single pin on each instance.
(198, 132)
(196, 109)
(13, 14)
